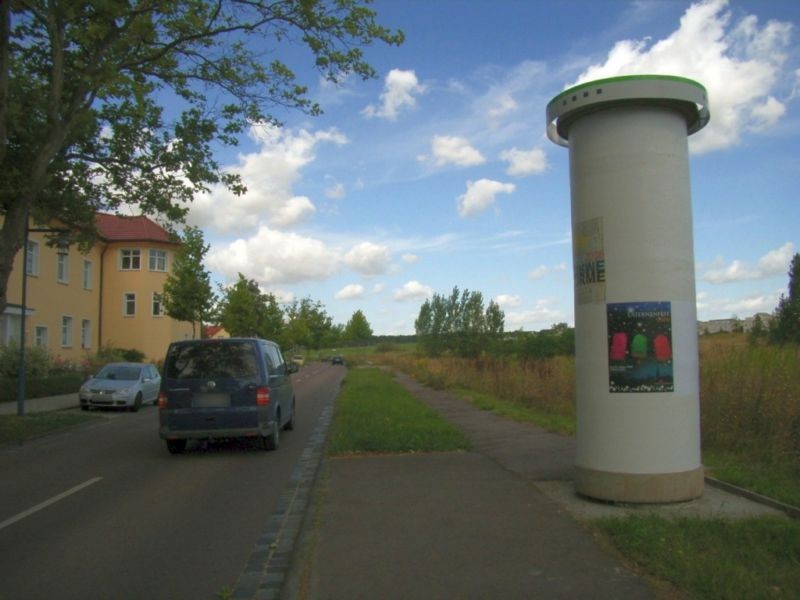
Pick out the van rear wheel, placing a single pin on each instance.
(273, 440)
(176, 446)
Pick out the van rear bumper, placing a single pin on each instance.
(263, 429)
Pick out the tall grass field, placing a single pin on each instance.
(749, 402)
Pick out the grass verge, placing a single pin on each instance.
(778, 480)
(750, 558)
(557, 423)
(375, 414)
(15, 429)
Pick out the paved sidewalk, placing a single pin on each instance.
(42, 404)
(496, 522)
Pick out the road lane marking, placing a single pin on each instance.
(46, 503)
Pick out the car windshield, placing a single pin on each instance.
(212, 361)
(121, 372)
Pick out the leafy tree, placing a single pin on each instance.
(785, 327)
(307, 324)
(83, 85)
(187, 292)
(358, 329)
(458, 323)
(247, 311)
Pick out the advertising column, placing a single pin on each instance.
(637, 392)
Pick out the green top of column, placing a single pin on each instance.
(679, 93)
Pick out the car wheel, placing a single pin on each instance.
(273, 440)
(137, 403)
(291, 422)
(176, 446)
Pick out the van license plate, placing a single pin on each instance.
(205, 400)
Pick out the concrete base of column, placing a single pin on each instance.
(640, 487)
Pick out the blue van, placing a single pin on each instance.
(225, 388)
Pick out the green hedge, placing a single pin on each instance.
(38, 387)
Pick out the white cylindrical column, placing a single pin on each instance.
(638, 433)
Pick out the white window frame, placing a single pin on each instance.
(128, 299)
(87, 274)
(157, 304)
(157, 260)
(62, 266)
(86, 333)
(40, 335)
(32, 258)
(133, 258)
(66, 331)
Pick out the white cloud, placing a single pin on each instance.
(335, 191)
(525, 162)
(506, 300)
(709, 308)
(413, 290)
(541, 316)
(538, 272)
(772, 264)
(480, 195)
(739, 63)
(368, 259)
(350, 292)
(291, 258)
(270, 173)
(456, 151)
(399, 90)
(410, 259)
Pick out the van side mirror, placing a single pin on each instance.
(291, 367)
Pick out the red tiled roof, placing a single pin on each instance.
(115, 228)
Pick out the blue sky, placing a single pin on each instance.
(439, 173)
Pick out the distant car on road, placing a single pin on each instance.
(337, 360)
(299, 360)
(223, 389)
(121, 385)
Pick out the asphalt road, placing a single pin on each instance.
(105, 512)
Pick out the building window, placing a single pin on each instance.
(66, 332)
(87, 274)
(32, 258)
(129, 304)
(158, 260)
(130, 260)
(40, 336)
(62, 266)
(86, 333)
(158, 305)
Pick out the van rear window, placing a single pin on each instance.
(212, 361)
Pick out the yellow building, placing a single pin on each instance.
(110, 296)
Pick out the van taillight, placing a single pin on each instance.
(162, 400)
(262, 396)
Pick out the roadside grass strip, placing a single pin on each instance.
(375, 414)
(15, 429)
(748, 558)
(778, 480)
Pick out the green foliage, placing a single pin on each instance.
(748, 558)
(307, 325)
(247, 311)
(785, 327)
(187, 291)
(38, 362)
(458, 324)
(374, 413)
(357, 330)
(41, 386)
(559, 340)
(82, 126)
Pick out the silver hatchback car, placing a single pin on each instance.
(121, 385)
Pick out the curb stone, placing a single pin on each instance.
(265, 573)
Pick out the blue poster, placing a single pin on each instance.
(640, 347)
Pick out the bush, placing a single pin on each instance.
(37, 361)
(39, 387)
